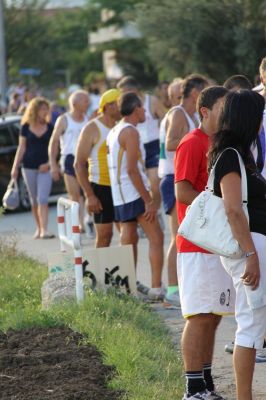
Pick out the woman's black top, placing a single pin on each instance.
(256, 185)
(36, 147)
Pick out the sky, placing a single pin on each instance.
(65, 3)
(58, 3)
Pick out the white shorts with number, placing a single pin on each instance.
(204, 285)
(251, 324)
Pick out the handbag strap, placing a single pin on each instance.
(244, 189)
(13, 184)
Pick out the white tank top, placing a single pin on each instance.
(166, 160)
(123, 190)
(148, 130)
(98, 166)
(69, 139)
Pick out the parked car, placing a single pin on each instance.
(9, 133)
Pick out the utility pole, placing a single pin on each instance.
(3, 73)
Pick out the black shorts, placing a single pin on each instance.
(152, 150)
(68, 166)
(104, 194)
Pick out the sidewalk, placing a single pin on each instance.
(21, 226)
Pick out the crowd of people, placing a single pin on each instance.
(137, 155)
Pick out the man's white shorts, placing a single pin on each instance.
(251, 324)
(204, 285)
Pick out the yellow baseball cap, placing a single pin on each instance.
(108, 97)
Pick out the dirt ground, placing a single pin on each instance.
(49, 364)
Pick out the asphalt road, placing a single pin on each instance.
(20, 227)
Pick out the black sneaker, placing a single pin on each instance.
(213, 395)
(91, 230)
(141, 288)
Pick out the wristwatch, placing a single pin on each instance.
(250, 253)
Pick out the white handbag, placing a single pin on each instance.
(11, 197)
(206, 224)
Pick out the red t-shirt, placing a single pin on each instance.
(191, 166)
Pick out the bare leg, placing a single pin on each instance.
(198, 340)
(171, 253)
(155, 237)
(43, 218)
(128, 235)
(244, 361)
(154, 180)
(104, 233)
(213, 325)
(34, 210)
(81, 213)
(73, 190)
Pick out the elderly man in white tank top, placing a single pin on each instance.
(65, 135)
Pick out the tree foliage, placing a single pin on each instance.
(53, 44)
(132, 54)
(26, 36)
(215, 37)
(70, 41)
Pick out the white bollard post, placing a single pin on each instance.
(77, 250)
(74, 241)
(61, 224)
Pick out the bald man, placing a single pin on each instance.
(65, 136)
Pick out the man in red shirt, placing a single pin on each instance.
(205, 287)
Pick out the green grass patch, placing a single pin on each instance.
(130, 336)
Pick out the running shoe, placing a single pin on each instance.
(141, 232)
(156, 294)
(261, 355)
(213, 395)
(172, 301)
(198, 396)
(91, 230)
(229, 347)
(89, 227)
(141, 288)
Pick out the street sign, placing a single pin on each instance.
(30, 71)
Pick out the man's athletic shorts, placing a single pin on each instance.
(152, 150)
(204, 285)
(167, 189)
(68, 165)
(251, 324)
(129, 212)
(104, 194)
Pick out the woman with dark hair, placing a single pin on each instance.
(239, 124)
